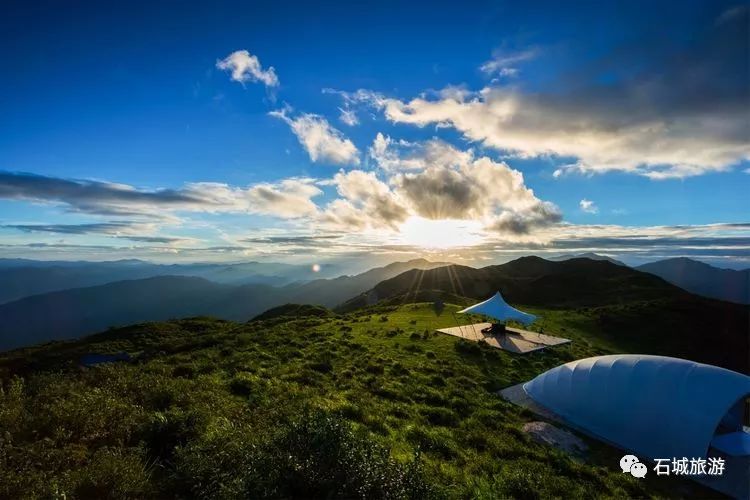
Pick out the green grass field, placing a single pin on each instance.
(369, 404)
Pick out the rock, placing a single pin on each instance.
(548, 434)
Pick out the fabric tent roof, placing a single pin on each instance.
(656, 406)
(497, 308)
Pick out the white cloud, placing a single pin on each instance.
(245, 67)
(588, 206)
(291, 198)
(400, 155)
(321, 141)
(655, 146)
(366, 202)
(436, 181)
(504, 63)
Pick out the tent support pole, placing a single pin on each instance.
(459, 326)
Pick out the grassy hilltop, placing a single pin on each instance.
(367, 404)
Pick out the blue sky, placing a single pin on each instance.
(520, 127)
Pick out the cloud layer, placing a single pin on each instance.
(684, 114)
(288, 199)
(434, 180)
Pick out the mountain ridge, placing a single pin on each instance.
(80, 311)
(703, 279)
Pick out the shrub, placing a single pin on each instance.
(433, 441)
(468, 347)
(321, 366)
(113, 473)
(320, 456)
(440, 416)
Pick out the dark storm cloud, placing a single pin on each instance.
(92, 196)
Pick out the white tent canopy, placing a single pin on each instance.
(497, 308)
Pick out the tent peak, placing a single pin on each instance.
(497, 308)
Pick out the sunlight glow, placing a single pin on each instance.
(440, 234)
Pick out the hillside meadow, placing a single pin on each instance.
(302, 403)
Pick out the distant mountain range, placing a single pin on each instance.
(80, 311)
(703, 279)
(23, 278)
(626, 303)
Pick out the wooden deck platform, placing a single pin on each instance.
(513, 340)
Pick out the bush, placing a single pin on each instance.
(113, 473)
(468, 347)
(440, 416)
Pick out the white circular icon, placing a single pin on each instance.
(638, 469)
(627, 462)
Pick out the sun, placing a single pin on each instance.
(440, 234)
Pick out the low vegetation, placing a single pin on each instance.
(371, 404)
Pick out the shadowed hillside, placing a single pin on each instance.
(528, 280)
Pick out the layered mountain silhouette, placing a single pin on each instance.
(703, 279)
(637, 310)
(23, 278)
(81, 311)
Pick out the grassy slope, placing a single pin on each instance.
(638, 311)
(221, 409)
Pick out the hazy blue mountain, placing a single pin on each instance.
(332, 292)
(80, 311)
(24, 278)
(703, 279)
